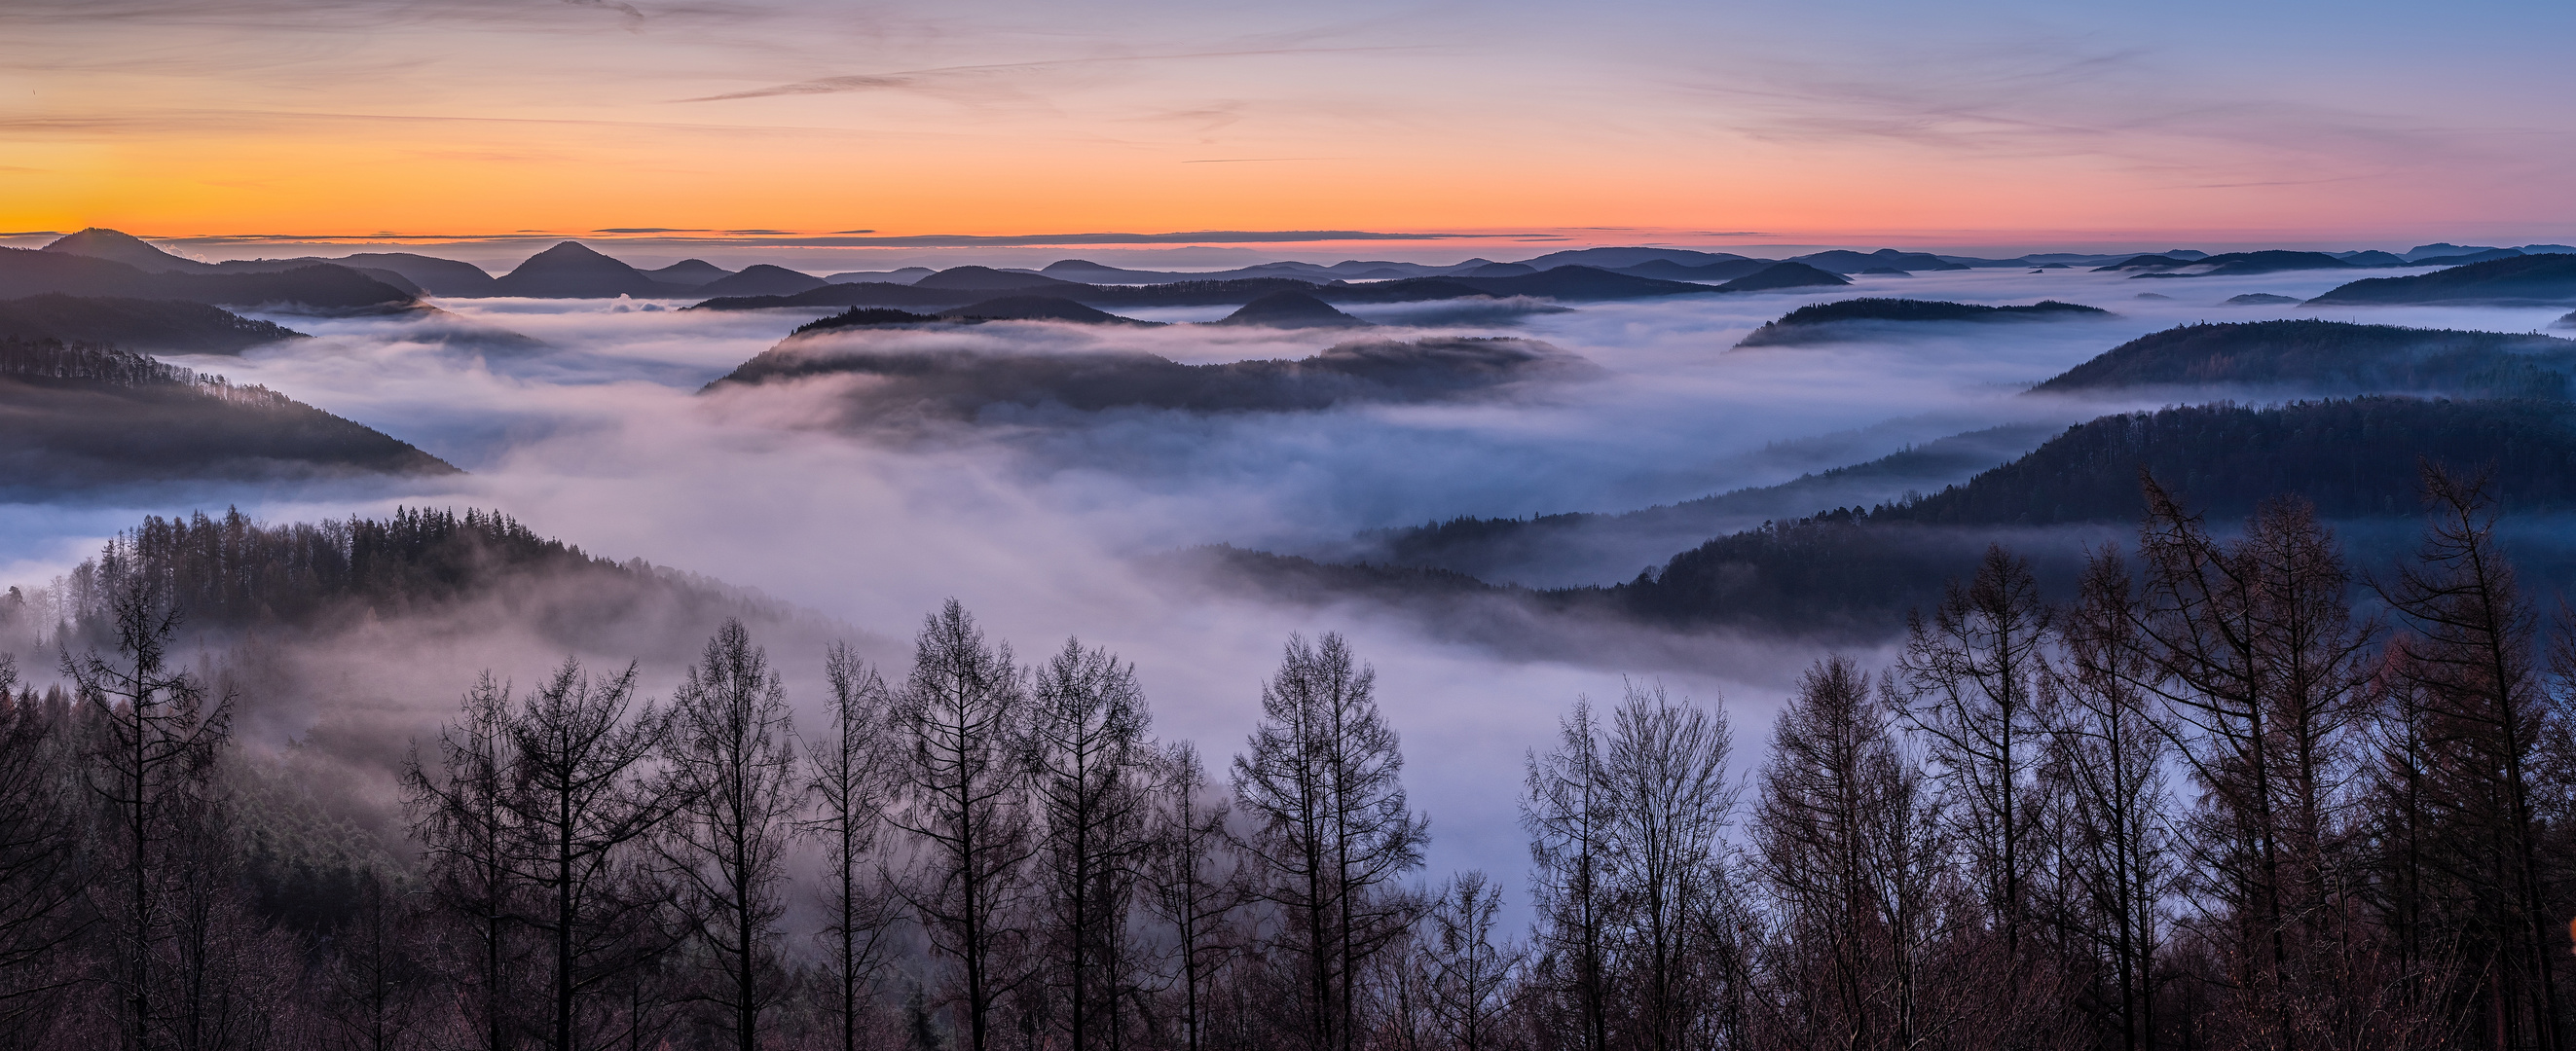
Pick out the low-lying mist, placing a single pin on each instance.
(1043, 524)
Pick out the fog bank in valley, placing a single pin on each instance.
(1043, 520)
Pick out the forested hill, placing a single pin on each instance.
(2547, 278)
(229, 572)
(2330, 357)
(148, 325)
(77, 416)
(912, 386)
(2357, 460)
(1821, 322)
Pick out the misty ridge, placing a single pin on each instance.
(894, 387)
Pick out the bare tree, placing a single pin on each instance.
(2110, 752)
(583, 807)
(1088, 760)
(1566, 809)
(1850, 847)
(851, 776)
(1183, 884)
(1664, 767)
(1330, 827)
(40, 862)
(732, 771)
(1471, 966)
(2259, 658)
(2481, 717)
(464, 821)
(963, 800)
(160, 733)
(1972, 675)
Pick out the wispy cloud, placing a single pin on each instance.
(919, 78)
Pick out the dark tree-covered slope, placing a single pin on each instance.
(2523, 279)
(909, 386)
(2330, 357)
(82, 416)
(162, 325)
(2356, 460)
(1576, 546)
(1824, 322)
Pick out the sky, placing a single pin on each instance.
(1506, 123)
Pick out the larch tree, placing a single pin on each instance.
(850, 776)
(731, 779)
(963, 799)
(1089, 765)
(462, 816)
(585, 807)
(1330, 828)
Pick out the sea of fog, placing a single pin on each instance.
(1035, 520)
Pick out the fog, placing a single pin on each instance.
(1037, 519)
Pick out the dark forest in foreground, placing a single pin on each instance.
(2204, 804)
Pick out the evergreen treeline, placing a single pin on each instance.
(2207, 803)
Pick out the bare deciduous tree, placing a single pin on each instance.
(1331, 830)
(963, 800)
(851, 776)
(1088, 758)
(732, 772)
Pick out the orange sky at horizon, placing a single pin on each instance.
(353, 118)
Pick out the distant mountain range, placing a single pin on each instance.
(326, 287)
(78, 417)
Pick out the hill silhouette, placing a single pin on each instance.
(1847, 318)
(76, 417)
(1784, 275)
(2329, 357)
(1722, 270)
(572, 270)
(149, 325)
(987, 279)
(691, 273)
(1285, 309)
(1843, 261)
(760, 279)
(1036, 308)
(2546, 278)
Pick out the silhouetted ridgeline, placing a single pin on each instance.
(76, 416)
(1821, 322)
(2331, 357)
(913, 385)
